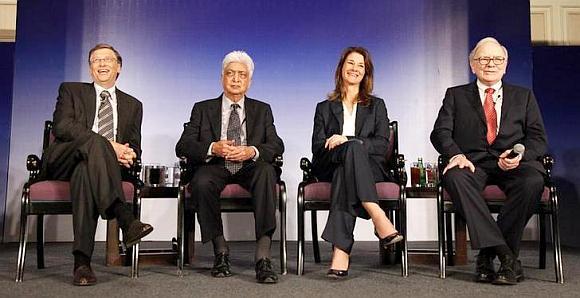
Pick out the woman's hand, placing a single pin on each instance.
(334, 141)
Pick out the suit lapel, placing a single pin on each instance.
(250, 118)
(215, 118)
(89, 97)
(122, 115)
(336, 107)
(475, 101)
(362, 113)
(506, 105)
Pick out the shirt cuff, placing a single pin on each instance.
(209, 154)
(255, 158)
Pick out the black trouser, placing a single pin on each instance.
(523, 187)
(208, 182)
(90, 163)
(353, 182)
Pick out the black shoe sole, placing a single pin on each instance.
(221, 274)
(504, 282)
(268, 280)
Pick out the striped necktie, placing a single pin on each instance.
(106, 116)
(234, 133)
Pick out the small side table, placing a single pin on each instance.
(113, 254)
(420, 255)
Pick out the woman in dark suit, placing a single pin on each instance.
(349, 143)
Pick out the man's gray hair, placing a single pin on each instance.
(240, 57)
(484, 41)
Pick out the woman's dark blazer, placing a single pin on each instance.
(371, 127)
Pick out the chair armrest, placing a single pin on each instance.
(442, 162)
(133, 173)
(278, 161)
(306, 167)
(400, 173)
(185, 171)
(548, 162)
(33, 165)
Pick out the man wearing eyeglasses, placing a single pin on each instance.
(477, 127)
(97, 130)
(232, 139)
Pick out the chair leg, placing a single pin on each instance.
(180, 231)
(542, 223)
(449, 239)
(441, 233)
(283, 251)
(315, 246)
(403, 229)
(22, 243)
(40, 241)
(190, 238)
(556, 238)
(135, 261)
(300, 248)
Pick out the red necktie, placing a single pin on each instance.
(490, 115)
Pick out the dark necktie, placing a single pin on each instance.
(234, 133)
(106, 116)
(490, 115)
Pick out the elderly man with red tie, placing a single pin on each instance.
(477, 127)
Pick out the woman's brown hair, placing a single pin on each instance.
(366, 85)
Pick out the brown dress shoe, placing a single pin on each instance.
(84, 276)
(135, 232)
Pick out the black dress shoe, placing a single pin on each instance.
(506, 275)
(84, 276)
(265, 272)
(135, 232)
(221, 266)
(337, 274)
(484, 270)
(389, 240)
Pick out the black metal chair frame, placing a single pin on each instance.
(445, 209)
(396, 209)
(41, 208)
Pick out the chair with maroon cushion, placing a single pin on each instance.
(41, 197)
(495, 198)
(314, 196)
(234, 198)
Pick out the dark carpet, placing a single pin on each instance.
(367, 277)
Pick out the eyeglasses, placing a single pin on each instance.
(485, 60)
(106, 60)
(230, 74)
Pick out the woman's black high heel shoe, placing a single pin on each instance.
(389, 240)
(337, 274)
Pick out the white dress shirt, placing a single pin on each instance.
(349, 123)
(113, 100)
(497, 98)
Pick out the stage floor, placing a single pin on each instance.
(366, 276)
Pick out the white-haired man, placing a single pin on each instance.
(477, 127)
(232, 139)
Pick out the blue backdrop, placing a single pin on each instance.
(172, 53)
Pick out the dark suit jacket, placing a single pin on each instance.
(371, 127)
(75, 111)
(461, 126)
(205, 127)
